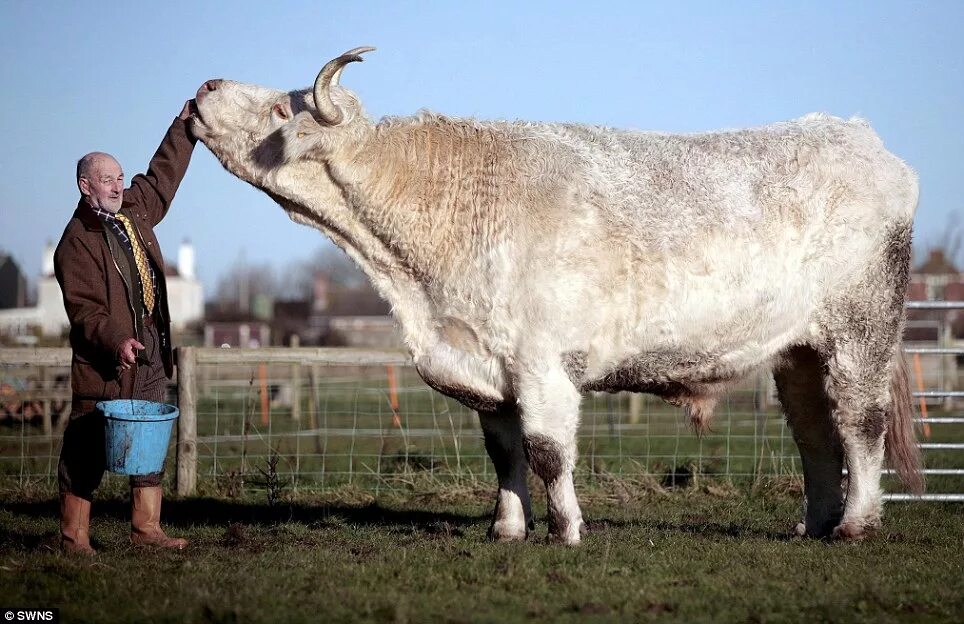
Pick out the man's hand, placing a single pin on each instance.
(190, 107)
(127, 353)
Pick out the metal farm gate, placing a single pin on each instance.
(949, 447)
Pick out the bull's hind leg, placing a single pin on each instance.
(863, 331)
(550, 419)
(512, 520)
(860, 388)
(800, 380)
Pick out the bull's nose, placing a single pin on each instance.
(207, 87)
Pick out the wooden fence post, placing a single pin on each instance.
(263, 392)
(296, 392)
(295, 383)
(46, 390)
(187, 422)
(635, 407)
(314, 374)
(393, 397)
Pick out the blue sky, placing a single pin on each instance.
(83, 76)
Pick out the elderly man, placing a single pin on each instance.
(111, 271)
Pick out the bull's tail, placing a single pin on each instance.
(903, 453)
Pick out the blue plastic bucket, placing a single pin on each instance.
(137, 434)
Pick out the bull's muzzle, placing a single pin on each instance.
(207, 87)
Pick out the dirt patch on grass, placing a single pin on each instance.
(590, 608)
(239, 537)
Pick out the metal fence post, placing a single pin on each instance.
(950, 363)
(187, 422)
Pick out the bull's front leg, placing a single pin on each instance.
(512, 520)
(550, 419)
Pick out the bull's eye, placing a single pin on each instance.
(280, 111)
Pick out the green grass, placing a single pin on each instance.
(692, 555)
(397, 531)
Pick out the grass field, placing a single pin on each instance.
(385, 522)
(688, 555)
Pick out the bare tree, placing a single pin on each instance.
(349, 288)
(244, 282)
(328, 259)
(950, 241)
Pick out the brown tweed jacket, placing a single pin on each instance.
(101, 298)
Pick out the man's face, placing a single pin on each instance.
(103, 186)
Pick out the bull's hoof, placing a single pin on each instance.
(850, 532)
(562, 540)
(816, 528)
(501, 532)
(505, 538)
(567, 537)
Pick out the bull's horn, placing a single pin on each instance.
(328, 112)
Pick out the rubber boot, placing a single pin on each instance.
(146, 520)
(75, 525)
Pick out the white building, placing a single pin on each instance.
(185, 296)
(184, 292)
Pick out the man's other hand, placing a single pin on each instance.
(127, 354)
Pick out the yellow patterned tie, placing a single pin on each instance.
(140, 258)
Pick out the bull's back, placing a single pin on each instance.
(729, 243)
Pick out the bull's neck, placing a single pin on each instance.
(428, 196)
(323, 206)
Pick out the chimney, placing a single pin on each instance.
(320, 303)
(47, 261)
(185, 260)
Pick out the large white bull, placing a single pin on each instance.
(530, 262)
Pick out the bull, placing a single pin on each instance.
(528, 263)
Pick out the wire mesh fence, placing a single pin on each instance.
(323, 418)
(378, 425)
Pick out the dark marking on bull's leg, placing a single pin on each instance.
(546, 460)
(800, 380)
(549, 405)
(545, 457)
(512, 519)
(862, 430)
(872, 425)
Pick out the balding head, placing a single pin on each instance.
(101, 181)
(86, 164)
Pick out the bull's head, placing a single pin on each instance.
(254, 130)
